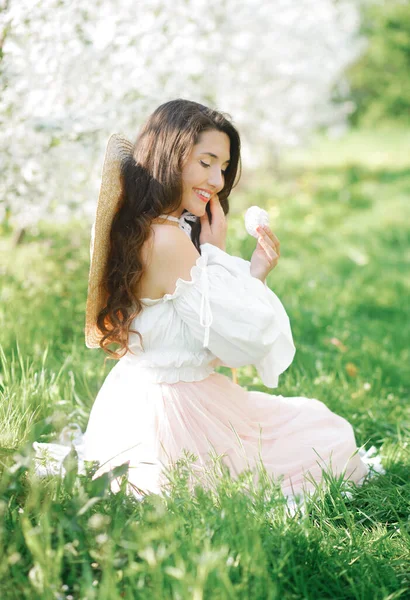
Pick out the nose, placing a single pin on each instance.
(216, 179)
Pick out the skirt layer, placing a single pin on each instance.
(149, 425)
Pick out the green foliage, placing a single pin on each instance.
(380, 82)
(342, 214)
(236, 541)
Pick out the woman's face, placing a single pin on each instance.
(203, 171)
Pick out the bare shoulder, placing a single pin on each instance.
(168, 256)
(171, 239)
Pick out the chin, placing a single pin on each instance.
(197, 211)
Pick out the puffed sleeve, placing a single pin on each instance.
(236, 316)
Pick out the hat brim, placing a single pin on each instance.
(118, 149)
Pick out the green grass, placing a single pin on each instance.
(341, 210)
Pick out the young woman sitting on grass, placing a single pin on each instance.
(163, 287)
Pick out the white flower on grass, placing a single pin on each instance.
(98, 521)
(49, 457)
(101, 538)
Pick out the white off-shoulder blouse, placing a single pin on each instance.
(221, 316)
(147, 411)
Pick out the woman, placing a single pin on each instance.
(162, 287)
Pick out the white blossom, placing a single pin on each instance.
(73, 73)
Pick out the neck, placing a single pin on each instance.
(166, 220)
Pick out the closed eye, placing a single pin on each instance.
(207, 166)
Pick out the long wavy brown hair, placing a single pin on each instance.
(151, 186)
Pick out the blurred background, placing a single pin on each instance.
(71, 75)
(320, 92)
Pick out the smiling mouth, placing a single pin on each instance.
(201, 197)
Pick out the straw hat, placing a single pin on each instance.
(118, 149)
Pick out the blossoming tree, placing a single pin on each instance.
(72, 73)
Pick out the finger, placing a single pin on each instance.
(205, 226)
(270, 237)
(270, 252)
(215, 204)
(273, 237)
(267, 238)
(218, 216)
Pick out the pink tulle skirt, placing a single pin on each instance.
(149, 425)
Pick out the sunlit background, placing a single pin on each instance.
(72, 73)
(320, 92)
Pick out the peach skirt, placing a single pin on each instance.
(148, 425)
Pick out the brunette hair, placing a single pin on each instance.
(151, 186)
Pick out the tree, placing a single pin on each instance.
(379, 80)
(74, 73)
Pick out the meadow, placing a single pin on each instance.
(341, 209)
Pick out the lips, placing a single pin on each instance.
(203, 198)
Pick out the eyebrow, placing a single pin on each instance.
(214, 156)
